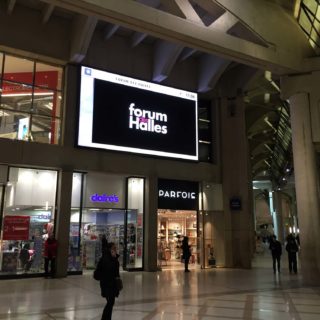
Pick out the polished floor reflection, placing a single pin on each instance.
(216, 294)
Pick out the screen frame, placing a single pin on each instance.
(85, 123)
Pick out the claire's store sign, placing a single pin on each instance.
(177, 194)
(112, 198)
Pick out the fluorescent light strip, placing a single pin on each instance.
(27, 94)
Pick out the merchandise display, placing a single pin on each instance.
(172, 227)
(25, 255)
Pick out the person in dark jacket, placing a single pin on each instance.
(50, 254)
(276, 251)
(292, 249)
(186, 253)
(108, 283)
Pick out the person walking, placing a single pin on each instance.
(109, 266)
(276, 251)
(50, 254)
(186, 253)
(292, 249)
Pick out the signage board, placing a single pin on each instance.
(235, 203)
(177, 194)
(16, 227)
(125, 114)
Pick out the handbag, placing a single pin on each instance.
(97, 273)
(119, 284)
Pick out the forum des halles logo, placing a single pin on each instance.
(146, 120)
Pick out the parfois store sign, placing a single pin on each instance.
(177, 194)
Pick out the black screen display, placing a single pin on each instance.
(135, 119)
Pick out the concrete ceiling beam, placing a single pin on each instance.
(110, 30)
(82, 31)
(211, 68)
(187, 53)
(10, 6)
(47, 12)
(137, 38)
(182, 9)
(165, 57)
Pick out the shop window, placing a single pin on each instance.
(74, 258)
(98, 211)
(34, 88)
(135, 214)
(173, 226)
(27, 219)
(18, 70)
(48, 76)
(44, 130)
(14, 124)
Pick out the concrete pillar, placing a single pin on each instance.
(236, 183)
(307, 187)
(279, 216)
(62, 223)
(151, 224)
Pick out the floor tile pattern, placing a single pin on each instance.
(215, 294)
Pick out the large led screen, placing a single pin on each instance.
(125, 114)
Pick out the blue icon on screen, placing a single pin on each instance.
(87, 71)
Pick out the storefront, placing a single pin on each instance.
(177, 218)
(28, 210)
(110, 206)
(102, 205)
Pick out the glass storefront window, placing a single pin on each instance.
(18, 69)
(135, 214)
(74, 257)
(36, 93)
(44, 130)
(27, 219)
(14, 125)
(46, 102)
(48, 76)
(95, 224)
(98, 211)
(16, 96)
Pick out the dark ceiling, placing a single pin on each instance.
(267, 116)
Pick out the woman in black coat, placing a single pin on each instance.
(108, 282)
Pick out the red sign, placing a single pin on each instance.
(16, 227)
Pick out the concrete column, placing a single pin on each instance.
(307, 187)
(236, 183)
(62, 223)
(279, 216)
(151, 224)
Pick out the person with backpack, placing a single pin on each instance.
(276, 251)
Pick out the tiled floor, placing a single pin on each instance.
(216, 294)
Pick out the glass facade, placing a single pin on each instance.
(205, 131)
(98, 210)
(309, 20)
(27, 219)
(30, 100)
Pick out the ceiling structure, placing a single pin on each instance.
(227, 41)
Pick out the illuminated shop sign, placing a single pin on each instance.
(112, 198)
(145, 120)
(125, 114)
(177, 194)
